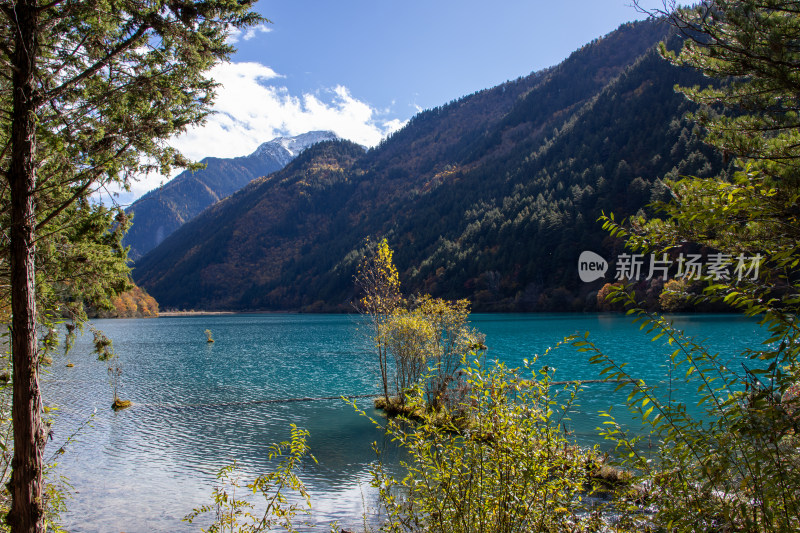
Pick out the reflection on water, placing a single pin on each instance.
(199, 405)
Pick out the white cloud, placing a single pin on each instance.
(251, 108)
(252, 31)
(236, 34)
(394, 125)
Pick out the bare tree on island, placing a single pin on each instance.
(91, 91)
(379, 283)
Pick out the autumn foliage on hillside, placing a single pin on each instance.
(135, 303)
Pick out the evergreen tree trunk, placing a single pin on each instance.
(104, 87)
(27, 506)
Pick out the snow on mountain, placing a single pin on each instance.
(162, 211)
(284, 149)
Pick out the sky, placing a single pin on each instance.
(362, 68)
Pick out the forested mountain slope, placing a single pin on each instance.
(491, 197)
(250, 236)
(161, 211)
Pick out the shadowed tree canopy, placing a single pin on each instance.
(752, 119)
(749, 218)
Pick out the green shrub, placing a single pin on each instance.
(236, 515)
(500, 463)
(733, 465)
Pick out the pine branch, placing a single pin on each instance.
(125, 45)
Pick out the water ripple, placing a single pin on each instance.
(198, 406)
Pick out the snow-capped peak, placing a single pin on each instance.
(284, 149)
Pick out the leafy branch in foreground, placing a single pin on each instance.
(501, 463)
(730, 459)
(234, 514)
(727, 461)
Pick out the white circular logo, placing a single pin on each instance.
(591, 266)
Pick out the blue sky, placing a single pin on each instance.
(364, 67)
(399, 55)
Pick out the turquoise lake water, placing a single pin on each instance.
(198, 405)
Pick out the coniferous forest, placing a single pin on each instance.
(491, 197)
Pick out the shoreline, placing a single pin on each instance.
(482, 312)
(211, 313)
(193, 313)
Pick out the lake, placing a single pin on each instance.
(197, 406)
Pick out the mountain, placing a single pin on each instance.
(490, 197)
(161, 211)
